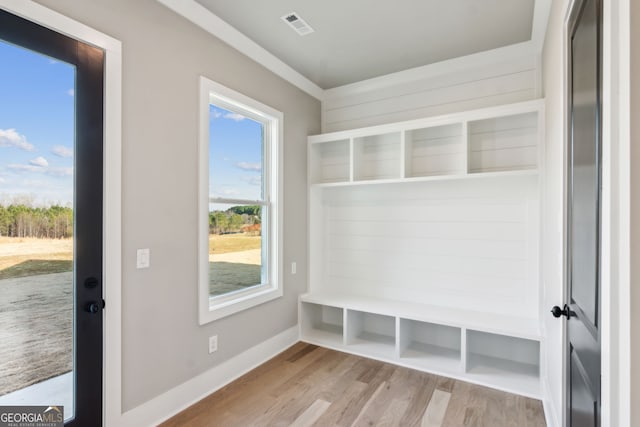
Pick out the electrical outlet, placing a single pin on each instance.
(293, 268)
(213, 344)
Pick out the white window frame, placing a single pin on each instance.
(216, 307)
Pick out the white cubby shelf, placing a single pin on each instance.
(497, 140)
(424, 245)
(500, 351)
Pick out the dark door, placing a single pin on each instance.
(61, 220)
(583, 220)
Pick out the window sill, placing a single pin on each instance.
(219, 307)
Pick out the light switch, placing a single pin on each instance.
(143, 258)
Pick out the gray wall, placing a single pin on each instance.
(163, 55)
(635, 213)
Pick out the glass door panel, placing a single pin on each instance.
(37, 133)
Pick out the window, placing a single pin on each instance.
(240, 202)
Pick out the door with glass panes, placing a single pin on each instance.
(51, 160)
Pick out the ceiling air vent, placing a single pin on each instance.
(297, 23)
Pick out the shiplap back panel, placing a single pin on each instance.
(332, 316)
(435, 151)
(330, 161)
(503, 347)
(469, 245)
(378, 156)
(504, 143)
(439, 335)
(478, 87)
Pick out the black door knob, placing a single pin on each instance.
(557, 311)
(93, 307)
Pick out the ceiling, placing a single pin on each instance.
(355, 40)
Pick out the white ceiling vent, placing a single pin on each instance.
(297, 23)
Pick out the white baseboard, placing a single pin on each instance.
(166, 405)
(550, 410)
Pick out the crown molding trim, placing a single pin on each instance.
(213, 24)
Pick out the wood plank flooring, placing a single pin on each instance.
(308, 385)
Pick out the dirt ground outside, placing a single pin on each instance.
(233, 271)
(22, 257)
(36, 300)
(12, 246)
(36, 327)
(36, 310)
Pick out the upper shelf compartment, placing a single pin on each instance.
(437, 150)
(491, 142)
(504, 143)
(330, 161)
(377, 157)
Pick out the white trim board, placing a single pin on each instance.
(540, 21)
(489, 57)
(617, 196)
(550, 410)
(211, 23)
(112, 227)
(186, 394)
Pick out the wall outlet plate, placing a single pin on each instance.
(213, 344)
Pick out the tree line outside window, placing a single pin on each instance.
(234, 220)
(53, 222)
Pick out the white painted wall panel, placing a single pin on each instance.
(505, 143)
(472, 248)
(432, 247)
(501, 347)
(507, 81)
(379, 156)
(330, 161)
(435, 151)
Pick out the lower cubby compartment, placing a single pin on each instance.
(509, 363)
(430, 346)
(492, 356)
(322, 323)
(370, 333)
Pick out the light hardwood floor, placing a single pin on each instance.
(308, 385)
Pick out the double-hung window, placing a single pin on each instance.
(240, 202)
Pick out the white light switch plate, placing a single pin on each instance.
(143, 258)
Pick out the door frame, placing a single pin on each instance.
(112, 241)
(615, 211)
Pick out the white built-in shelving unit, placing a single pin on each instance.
(424, 245)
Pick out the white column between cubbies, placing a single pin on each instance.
(345, 326)
(463, 349)
(399, 341)
(352, 160)
(403, 155)
(467, 144)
